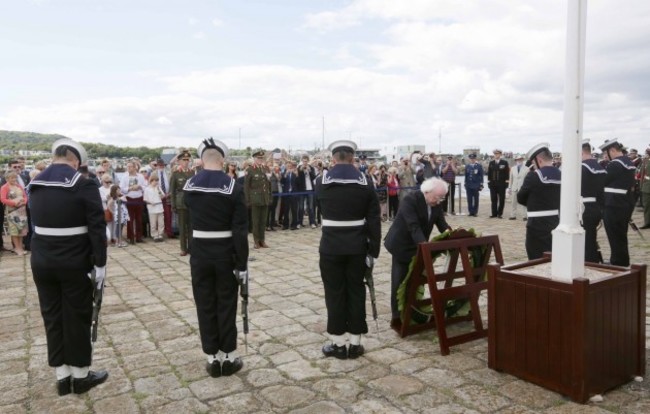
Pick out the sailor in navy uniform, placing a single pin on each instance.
(69, 239)
(593, 183)
(540, 193)
(219, 223)
(619, 201)
(350, 240)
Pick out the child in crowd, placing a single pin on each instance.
(117, 205)
(153, 195)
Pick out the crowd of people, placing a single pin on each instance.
(74, 214)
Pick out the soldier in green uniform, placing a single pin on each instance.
(257, 188)
(176, 183)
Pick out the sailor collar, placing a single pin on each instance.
(57, 175)
(344, 174)
(549, 175)
(625, 161)
(593, 166)
(210, 181)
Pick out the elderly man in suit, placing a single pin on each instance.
(417, 214)
(517, 174)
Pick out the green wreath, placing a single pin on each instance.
(453, 307)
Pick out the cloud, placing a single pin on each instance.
(216, 22)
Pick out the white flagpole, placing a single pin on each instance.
(569, 238)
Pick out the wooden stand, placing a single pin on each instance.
(459, 246)
(578, 339)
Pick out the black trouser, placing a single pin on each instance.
(498, 198)
(65, 296)
(449, 197)
(215, 291)
(398, 273)
(590, 219)
(271, 221)
(538, 235)
(345, 293)
(616, 220)
(290, 206)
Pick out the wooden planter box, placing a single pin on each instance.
(578, 339)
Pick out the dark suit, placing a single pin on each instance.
(411, 227)
(290, 185)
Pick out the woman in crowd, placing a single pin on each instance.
(153, 195)
(392, 183)
(14, 198)
(105, 193)
(382, 191)
(274, 177)
(231, 169)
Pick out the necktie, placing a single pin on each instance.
(163, 186)
(518, 168)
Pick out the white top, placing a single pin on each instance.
(128, 181)
(153, 198)
(104, 192)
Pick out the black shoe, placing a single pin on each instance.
(64, 386)
(81, 385)
(229, 367)
(339, 352)
(512, 218)
(355, 351)
(493, 216)
(645, 226)
(214, 369)
(500, 217)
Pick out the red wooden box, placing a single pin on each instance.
(578, 339)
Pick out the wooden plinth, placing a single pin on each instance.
(578, 339)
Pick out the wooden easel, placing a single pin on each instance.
(459, 246)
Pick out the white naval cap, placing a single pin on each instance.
(610, 143)
(212, 143)
(532, 153)
(77, 149)
(342, 145)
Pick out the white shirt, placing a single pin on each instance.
(152, 196)
(129, 180)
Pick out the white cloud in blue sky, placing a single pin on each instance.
(383, 72)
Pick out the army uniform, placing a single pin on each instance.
(540, 193)
(257, 188)
(176, 184)
(219, 245)
(351, 231)
(619, 202)
(593, 181)
(69, 239)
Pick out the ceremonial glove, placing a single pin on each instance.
(241, 275)
(100, 275)
(370, 261)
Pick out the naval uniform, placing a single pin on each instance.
(498, 175)
(593, 182)
(219, 223)
(351, 230)
(619, 203)
(69, 239)
(176, 183)
(540, 193)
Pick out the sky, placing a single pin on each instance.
(297, 74)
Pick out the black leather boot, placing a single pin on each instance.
(214, 369)
(339, 352)
(229, 367)
(64, 386)
(355, 351)
(81, 385)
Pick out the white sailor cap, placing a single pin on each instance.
(212, 143)
(342, 145)
(532, 153)
(610, 143)
(586, 144)
(77, 149)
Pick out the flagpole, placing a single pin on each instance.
(569, 236)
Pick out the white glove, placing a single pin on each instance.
(370, 261)
(100, 275)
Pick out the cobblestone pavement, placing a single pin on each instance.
(149, 342)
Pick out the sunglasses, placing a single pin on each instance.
(185, 159)
(16, 167)
(108, 182)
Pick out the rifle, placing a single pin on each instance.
(98, 295)
(370, 282)
(636, 229)
(242, 279)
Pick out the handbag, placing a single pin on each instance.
(108, 215)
